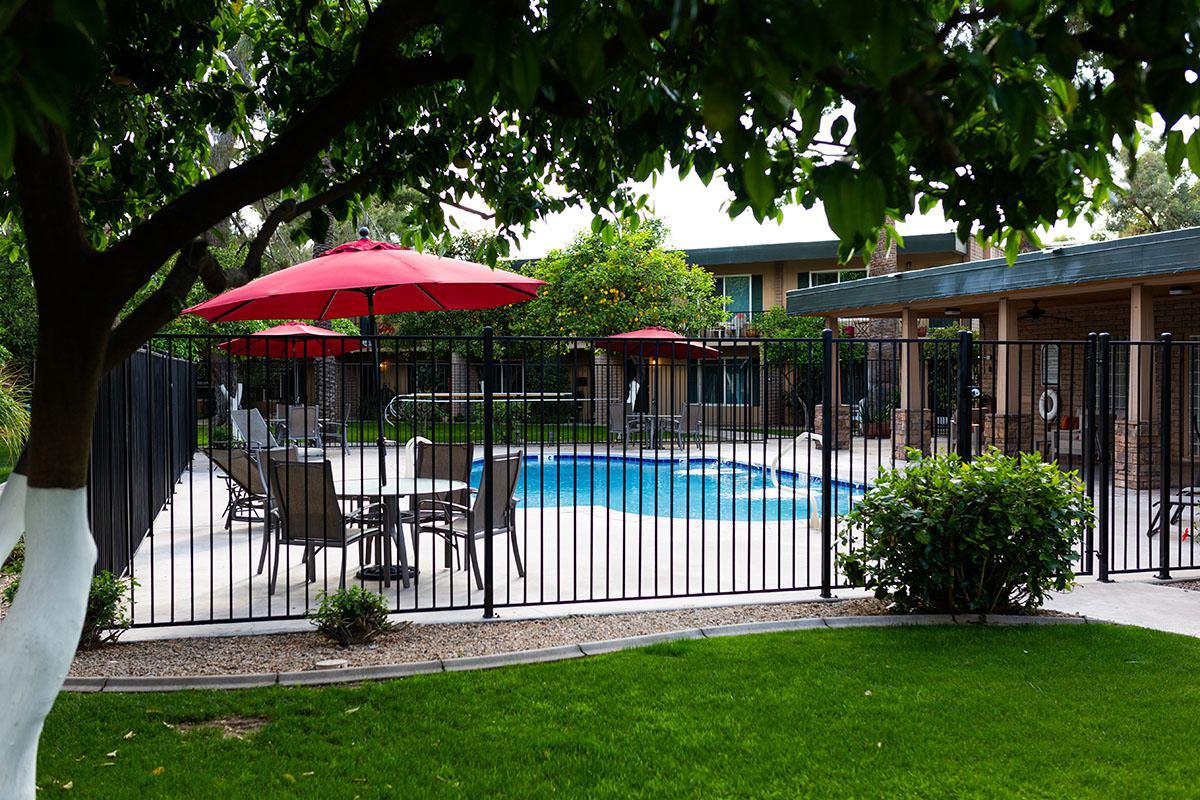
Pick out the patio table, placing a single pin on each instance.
(390, 493)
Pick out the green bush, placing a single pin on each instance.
(992, 535)
(351, 616)
(105, 618)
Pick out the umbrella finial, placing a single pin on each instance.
(364, 232)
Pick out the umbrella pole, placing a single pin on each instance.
(379, 387)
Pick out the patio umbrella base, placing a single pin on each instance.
(376, 572)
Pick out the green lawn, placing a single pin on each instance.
(924, 713)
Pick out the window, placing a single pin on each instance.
(826, 277)
(1050, 365)
(738, 288)
(729, 381)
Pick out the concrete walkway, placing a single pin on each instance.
(1134, 602)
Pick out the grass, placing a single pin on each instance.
(364, 432)
(1087, 711)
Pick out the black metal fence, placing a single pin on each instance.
(617, 471)
(143, 438)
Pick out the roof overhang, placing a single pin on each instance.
(1158, 258)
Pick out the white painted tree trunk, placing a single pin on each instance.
(39, 636)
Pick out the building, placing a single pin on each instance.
(1033, 319)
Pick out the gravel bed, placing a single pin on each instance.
(287, 652)
(5, 581)
(1193, 586)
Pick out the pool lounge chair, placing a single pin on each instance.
(250, 428)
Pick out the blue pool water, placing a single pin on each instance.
(696, 488)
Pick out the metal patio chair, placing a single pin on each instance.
(455, 522)
(622, 423)
(438, 460)
(304, 425)
(310, 516)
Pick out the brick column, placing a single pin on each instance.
(841, 424)
(1011, 433)
(1136, 462)
(913, 428)
(460, 384)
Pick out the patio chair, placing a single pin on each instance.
(310, 516)
(688, 422)
(334, 430)
(447, 461)
(457, 523)
(621, 422)
(1187, 497)
(304, 425)
(250, 428)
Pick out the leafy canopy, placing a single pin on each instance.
(1003, 112)
(1155, 197)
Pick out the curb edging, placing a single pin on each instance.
(172, 683)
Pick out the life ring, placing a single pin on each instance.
(1048, 405)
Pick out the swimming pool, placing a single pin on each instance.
(686, 488)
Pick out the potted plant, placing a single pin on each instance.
(877, 419)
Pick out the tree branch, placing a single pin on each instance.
(195, 261)
(280, 163)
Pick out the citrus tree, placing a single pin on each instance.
(130, 130)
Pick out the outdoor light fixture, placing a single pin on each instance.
(952, 312)
(1179, 291)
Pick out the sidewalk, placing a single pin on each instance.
(1134, 602)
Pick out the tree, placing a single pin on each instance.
(1154, 198)
(608, 284)
(113, 118)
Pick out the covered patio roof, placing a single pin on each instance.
(1096, 269)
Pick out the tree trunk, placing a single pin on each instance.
(39, 635)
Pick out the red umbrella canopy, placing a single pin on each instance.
(340, 282)
(657, 342)
(293, 340)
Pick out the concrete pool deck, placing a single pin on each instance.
(580, 559)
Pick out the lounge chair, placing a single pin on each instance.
(1187, 497)
(311, 517)
(250, 428)
(246, 483)
(457, 523)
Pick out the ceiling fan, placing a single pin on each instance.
(1038, 313)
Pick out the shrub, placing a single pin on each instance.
(351, 616)
(105, 618)
(991, 535)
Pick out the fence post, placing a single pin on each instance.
(1164, 484)
(828, 413)
(1102, 428)
(963, 408)
(489, 601)
(1089, 443)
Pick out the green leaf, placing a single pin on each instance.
(526, 71)
(1176, 149)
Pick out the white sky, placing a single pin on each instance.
(696, 216)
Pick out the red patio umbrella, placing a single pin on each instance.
(365, 278)
(656, 342)
(293, 340)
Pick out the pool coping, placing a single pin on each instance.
(350, 675)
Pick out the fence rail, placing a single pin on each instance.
(548, 470)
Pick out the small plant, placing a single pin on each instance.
(351, 616)
(106, 617)
(991, 535)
